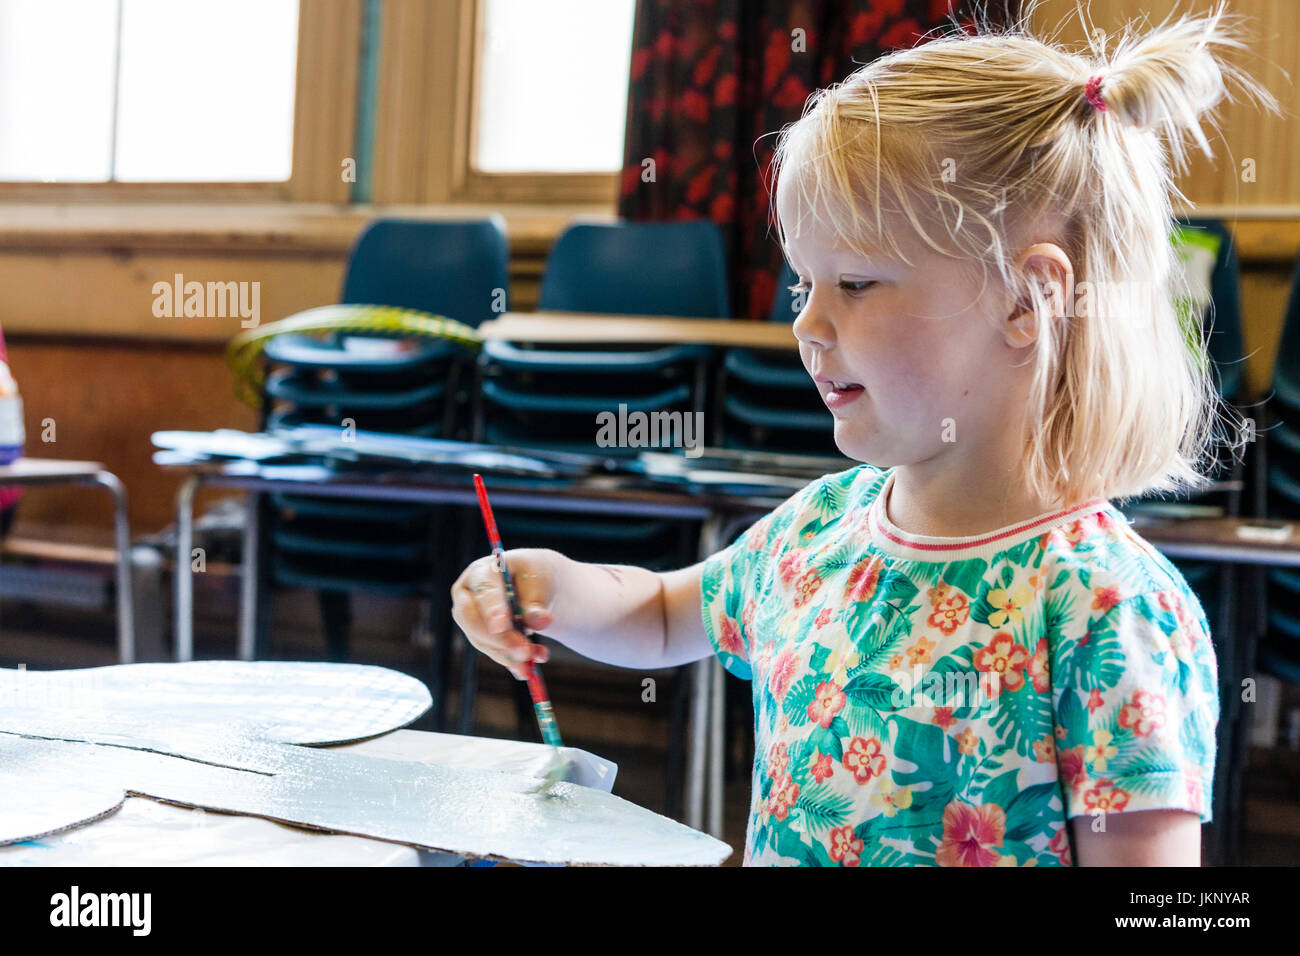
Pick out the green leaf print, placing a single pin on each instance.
(1024, 553)
(1096, 662)
(1021, 717)
(895, 588)
(837, 559)
(966, 576)
(926, 746)
(1001, 789)
(800, 697)
(827, 741)
(870, 689)
(822, 807)
(1029, 811)
(828, 497)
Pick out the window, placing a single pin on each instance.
(552, 85)
(136, 91)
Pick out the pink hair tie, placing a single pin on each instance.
(1092, 92)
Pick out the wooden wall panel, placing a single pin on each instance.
(106, 399)
(1246, 131)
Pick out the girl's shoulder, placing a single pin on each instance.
(1104, 562)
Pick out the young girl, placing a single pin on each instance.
(961, 654)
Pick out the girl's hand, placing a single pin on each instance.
(480, 608)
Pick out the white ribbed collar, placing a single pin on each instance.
(915, 547)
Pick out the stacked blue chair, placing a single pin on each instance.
(764, 400)
(386, 384)
(1280, 652)
(551, 397)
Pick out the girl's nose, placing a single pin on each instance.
(812, 326)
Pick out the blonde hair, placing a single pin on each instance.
(978, 139)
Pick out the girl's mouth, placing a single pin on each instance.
(842, 393)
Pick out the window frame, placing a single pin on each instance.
(469, 183)
(324, 120)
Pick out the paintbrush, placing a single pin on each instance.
(536, 686)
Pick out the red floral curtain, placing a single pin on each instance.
(711, 78)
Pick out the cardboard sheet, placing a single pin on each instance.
(209, 737)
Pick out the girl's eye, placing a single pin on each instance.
(856, 286)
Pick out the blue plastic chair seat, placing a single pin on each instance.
(308, 352)
(495, 392)
(767, 369)
(781, 418)
(510, 356)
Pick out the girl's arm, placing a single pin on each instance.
(622, 615)
(1139, 838)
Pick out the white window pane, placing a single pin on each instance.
(56, 89)
(553, 85)
(206, 90)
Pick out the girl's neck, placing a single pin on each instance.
(948, 502)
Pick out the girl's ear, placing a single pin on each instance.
(1050, 276)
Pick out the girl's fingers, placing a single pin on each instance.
(479, 607)
(532, 589)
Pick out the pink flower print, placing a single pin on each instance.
(863, 580)
(828, 700)
(784, 795)
(783, 672)
(1038, 669)
(971, 835)
(1060, 845)
(729, 637)
(864, 759)
(1095, 702)
(778, 761)
(1106, 797)
(823, 618)
(1007, 659)
(1072, 768)
(943, 717)
(950, 613)
(791, 566)
(806, 586)
(845, 847)
(1144, 714)
(747, 617)
(1105, 598)
(821, 766)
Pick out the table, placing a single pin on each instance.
(577, 327)
(148, 833)
(590, 496)
(719, 513)
(38, 472)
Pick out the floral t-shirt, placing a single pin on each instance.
(953, 701)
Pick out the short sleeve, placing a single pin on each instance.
(1136, 704)
(735, 579)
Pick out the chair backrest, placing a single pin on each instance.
(1225, 343)
(783, 300)
(1286, 369)
(638, 268)
(450, 268)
